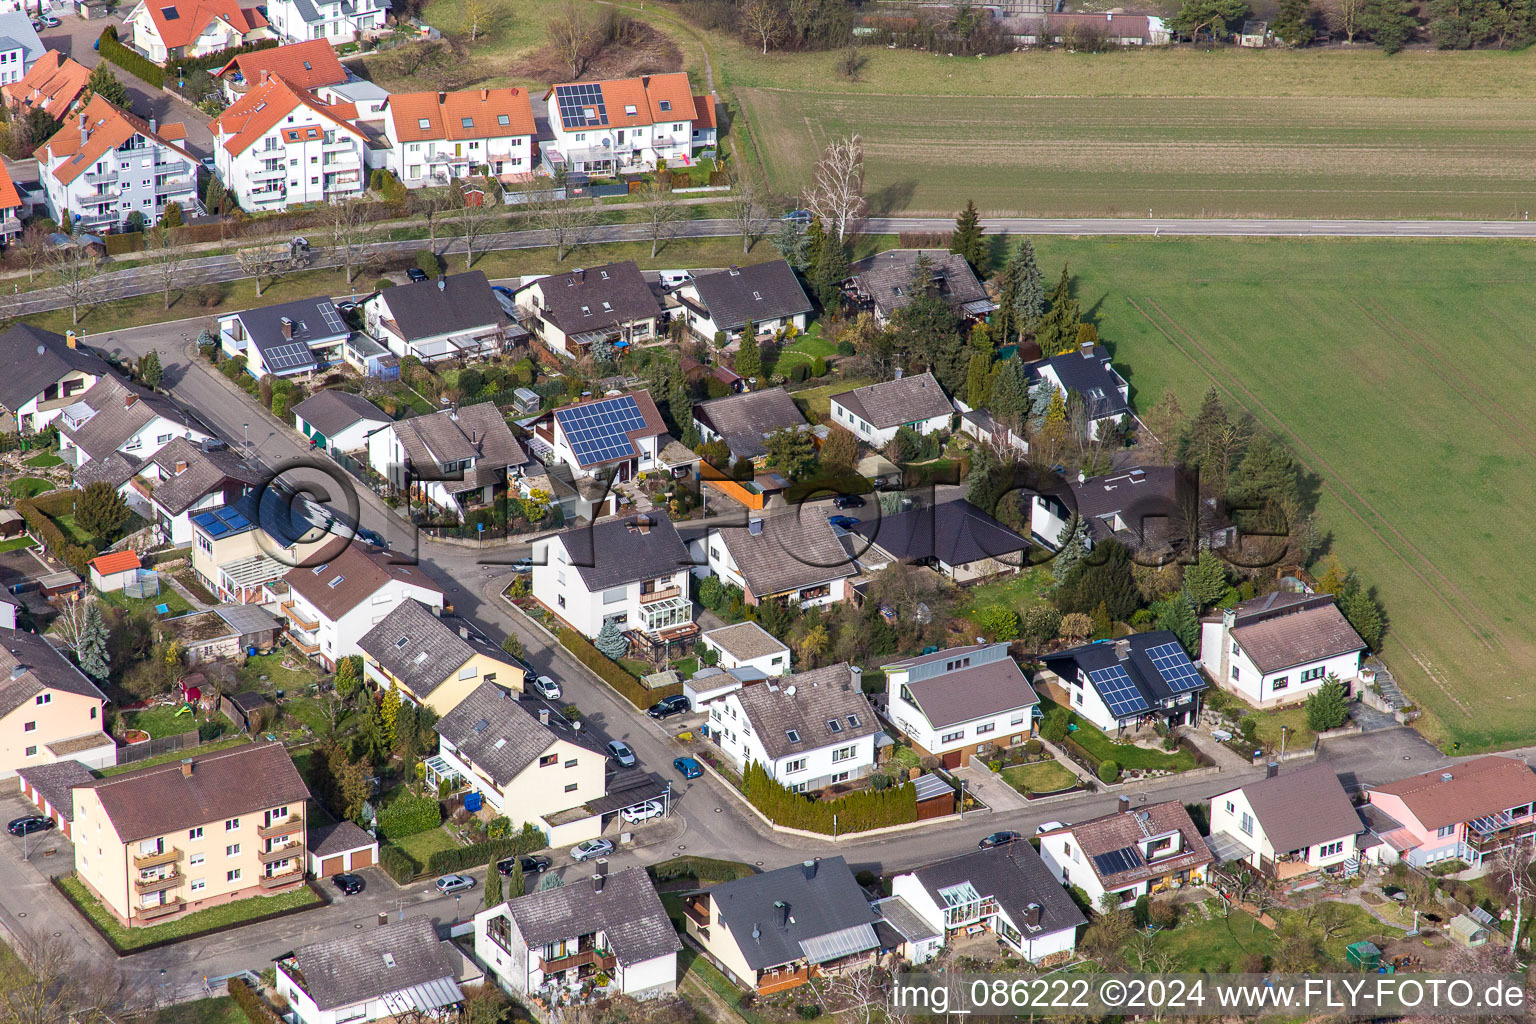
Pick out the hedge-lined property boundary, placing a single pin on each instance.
(611, 673)
(251, 1004)
(409, 815)
(130, 60)
(480, 854)
(854, 812)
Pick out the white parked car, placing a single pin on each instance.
(1050, 826)
(547, 688)
(643, 812)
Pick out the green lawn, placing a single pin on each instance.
(13, 973)
(174, 755)
(229, 914)
(1293, 720)
(1041, 777)
(175, 604)
(697, 969)
(160, 721)
(1217, 944)
(44, 460)
(1359, 925)
(17, 543)
(1411, 488)
(804, 349)
(818, 400)
(423, 845)
(1020, 592)
(218, 1010)
(1127, 755)
(278, 675)
(29, 487)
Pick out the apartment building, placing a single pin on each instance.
(628, 124)
(278, 146)
(49, 710)
(437, 136)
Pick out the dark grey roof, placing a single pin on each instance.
(119, 410)
(247, 618)
(791, 551)
(1091, 376)
(1299, 808)
(597, 297)
(887, 278)
(763, 291)
(892, 403)
(903, 920)
(314, 321)
(628, 911)
(805, 703)
(477, 432)
(432, 648)
(53, 782)
(1139, 497)
(45, 668)
(746, 420)
(1149, 682)
(501, 734)
(202, 473)
(29, 373)
(337, 837)
(331, 411)
(773, 915)
(115, 468)
(954, 532)
(1016, 877)
(613, 552)
(459, 302)
(374, 962)
(966, 694)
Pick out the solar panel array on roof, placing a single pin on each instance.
(1116, 861)
(333, 319)
(217, 522)
(599, 431)
(1118, 691)
(574, 102)
(288, 357)
(1175, 667)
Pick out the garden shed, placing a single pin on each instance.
(115, 570)
(11, 524)
(1364, 955)
(1465, 931)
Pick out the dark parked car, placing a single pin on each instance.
(31, 823)
(998, 839)
(689, 768)
(532, 864)
(677, 704)
(846, 522)
(349, 884)
(848, 501)
(416, 274)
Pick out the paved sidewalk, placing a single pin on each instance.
(991, 790)
(1218, 752)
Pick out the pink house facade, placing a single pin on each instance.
(1468, 811)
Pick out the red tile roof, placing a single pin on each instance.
(307, 65)
(704, 112)
(117, 561)
(469, 114)
(644, 96)
(255, 113)
(179, 24)
(106, 128)
(9, 197)
(52, 84)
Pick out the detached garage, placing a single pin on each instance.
(341, 847)
(49, 787)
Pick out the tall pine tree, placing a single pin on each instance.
(830, 271)
(968, 240)
(92, 651)
(1010, 393)
(1031, 302)
(1057, 330)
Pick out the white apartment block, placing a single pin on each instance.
(627, 124)
(435, 136)
(278, 146)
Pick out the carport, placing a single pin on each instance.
(630, 790)
(49, 787)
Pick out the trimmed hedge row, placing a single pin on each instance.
(480, 854)
(398, 864)
(611, 672)
(130, 60)
(251, 1004)
(36, 511)
(855, 812)
(409, 815)
(705, 869)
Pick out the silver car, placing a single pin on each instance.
(620, 752)
(546, 687)
(448, 885)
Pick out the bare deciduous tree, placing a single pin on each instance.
(76, 269)
(163, 254)
(747, 210)
(34, 249)
(475, 222)
(62, 986)
(1512, 869)
(837, 191)
(269, 253)
(349, 236)
(430, 204)
(573, 35)
(476, 17)
(568, 221)
(663, 212)
(766, 19)
(68, 627)
(1344, 16)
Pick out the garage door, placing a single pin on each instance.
(951, 759)
(331, 866)
(362, 858)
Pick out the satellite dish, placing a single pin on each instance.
(41, 350)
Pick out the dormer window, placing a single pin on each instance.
(665, 105)
(423, 123)
(834, 725)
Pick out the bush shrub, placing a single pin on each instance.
(477, 855)
(251, 1004)
(1109, 773)
(130, 60)
(808, 1011)
(1033, 747)
(818, 367)
(382, 283)
(866, 878)
(799, 372)
(409, 815)
(1054, 728)
(705, 869)
(854, 812)
(626, 685)
(398, 864)
(427, 262)
(845, 348)
(999, 623)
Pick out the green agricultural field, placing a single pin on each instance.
(1394, 371)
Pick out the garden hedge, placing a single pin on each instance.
(409, 815)
(611, 672)
(130, 60)
(705, 869)
(398, 864)
(254, 1007)
(478, 855)
(855, 812)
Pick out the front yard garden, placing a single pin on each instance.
(1040, 777)
(228, 915)
(1084, 739)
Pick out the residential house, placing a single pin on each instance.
(20, 48)
(706, 123)
(331, 606)
(1006, 891)
(49, 788)
(12, 208)
(337, 21)
(340, 847)
(398, 970)
(438, 136)
(903, 933)
(631, 571)
(951, 704)
(887, 281)
(616, 435)
(560, 939)
(1087, 373)
(766, 295)
(52, 84)
(1280, 647)
(454, 458)
(1148, 509)
(240, 548)
(955, 538)
(523, 757)
(621, 125)
(1467, 812)
(338, 421)
(310, 66)
(454, 317)
(611, 304)
(279, 146)
(432, 661)
(781, 555)
(183, 479)
(166, 32)
(876, 411)
(49, 710)
(105, 164)
(986, 428)
(745, 421)
(1131, 853)
(778, 930)
(112, 426)
(747, 645)
(45, 373)
(158, 842)
(810, 730)
(1136, 680)
(1287, 825)
(1117, 29)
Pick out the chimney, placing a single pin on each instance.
(757, 933)
(597, 882)
(1271, 770)
(1032, 915)
(644, 523)
(18, 670)
(1122, 650)
(485, 94)
(754, 526)
(181, 467)
(186, 768)
(1123, 805)
(785, 919)
(1086, 348)
(287, 328)
(128, 402)
(153, 125)
(1445, 776)
(442, 98)
(543, 716)
(263, 77)
(602, 866)
(810, 867)
(72, 339)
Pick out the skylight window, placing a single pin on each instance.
(420, 657)
(853, 721)
(834, 725)
(423, 123)
(169, 13)
(629, 108)
(402, 642)
(586, 310)
(335, 582)
(665, 105)
(503, 120)
(320, 568)
(793, 734)
(467, 122)
(758, 296)
(308, 66)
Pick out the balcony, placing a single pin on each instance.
(105, 177)
(1496, 831)
(308, 646)
(278, 881)
(170, 881)
(292, 823)
(696, 913)
(782, 980)
(98, 199)
(169, 855)
(605, 962)
(165, 909)
(287, 851)
(308, 625)
(660, 595)
(268, 173)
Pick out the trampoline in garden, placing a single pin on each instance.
(146, 583)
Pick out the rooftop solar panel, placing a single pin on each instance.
(599, 431)
(1116, 861)
(333, 319)
(574, 102)
(1175, 667)
(1118, 691)
(290, 356)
